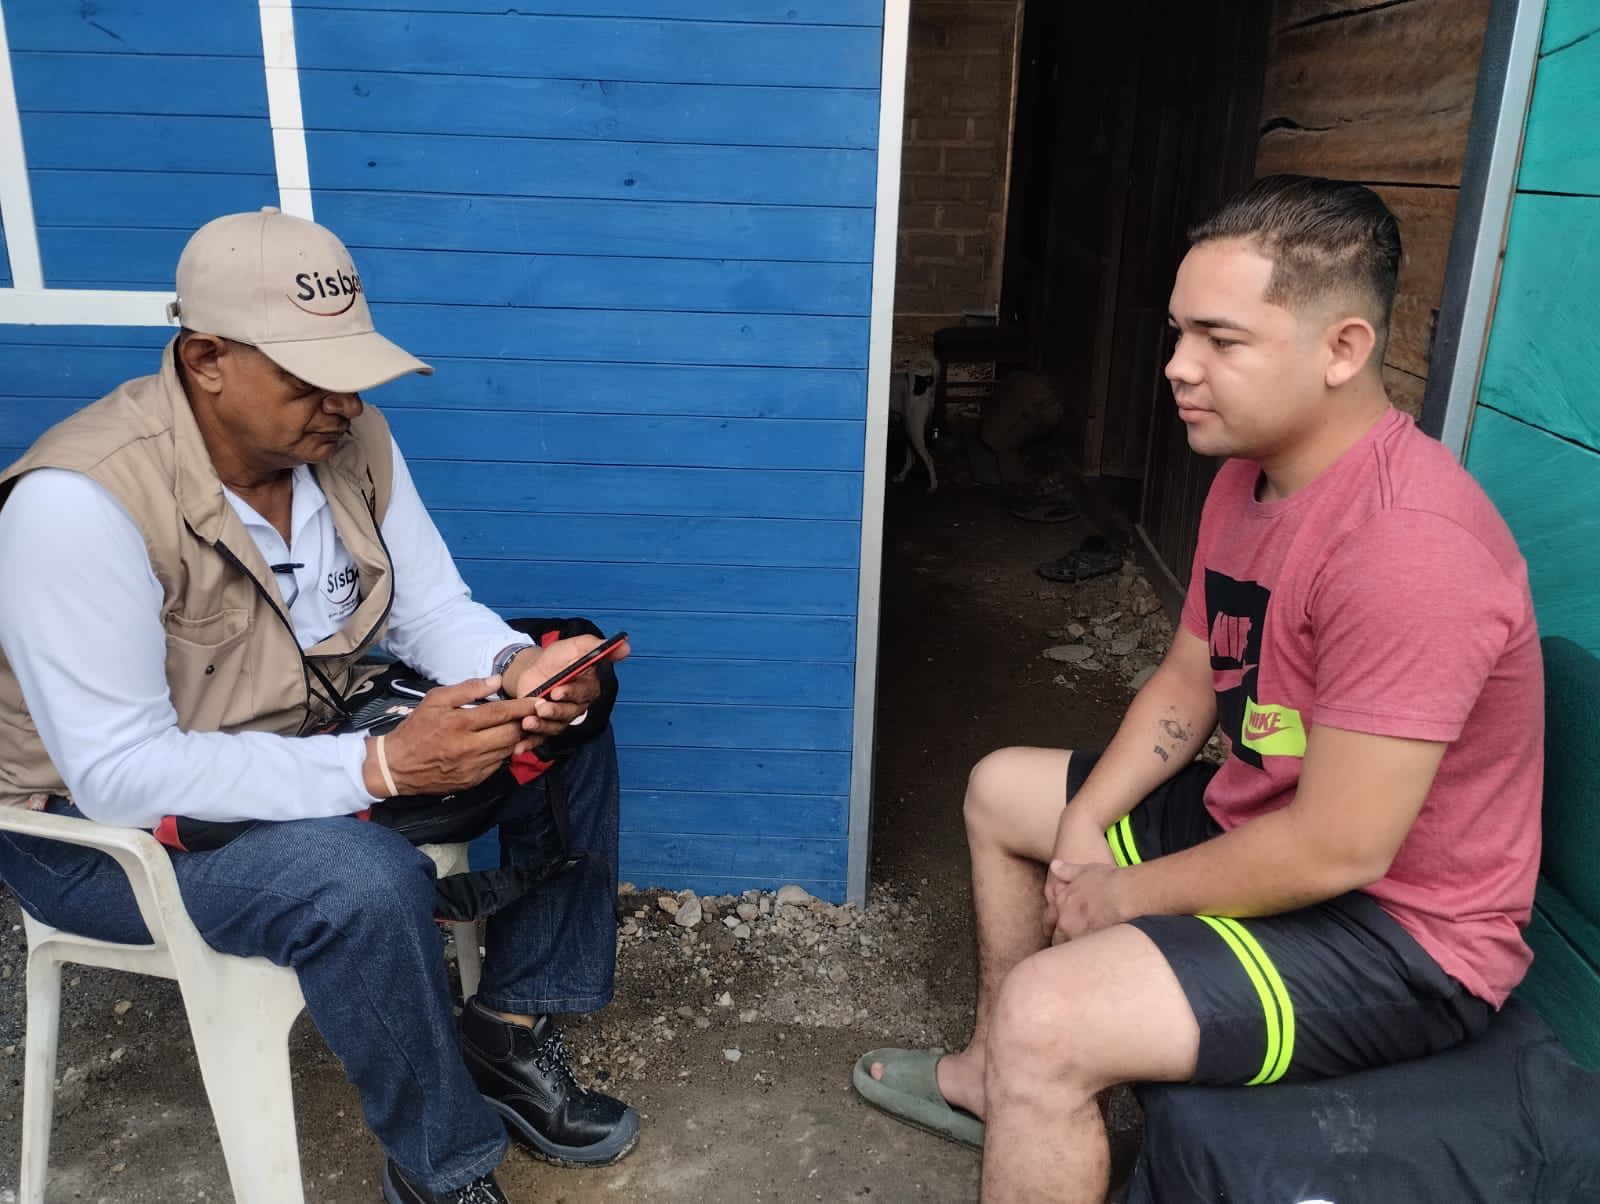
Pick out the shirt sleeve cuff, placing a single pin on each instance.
(353, 747)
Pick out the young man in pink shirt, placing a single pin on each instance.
(1348, 889)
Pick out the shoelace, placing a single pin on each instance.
(551, 1057)
(479, 1191)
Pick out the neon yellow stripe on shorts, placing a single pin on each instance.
(1276, 1007)
(1120, 837)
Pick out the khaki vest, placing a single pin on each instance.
(233, 663)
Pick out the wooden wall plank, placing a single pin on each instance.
(514, 385)
(170, 200)
(737, 771)
(555, 587)
(1404, 389)
(1565, 22)
(680, 811)
(586, 109)
(729, 683)
(66, 339)
(1427, 218)
(624, 538)
(775, 12)
(715, 864)
(548, 281)
(139, 142)
(1548, 490)
(1540, 365)
(692, 634)
(718, 726)
(164, 27)
(647, 171)
(166, 85)
(1383, 94)
(513, 44)
(574, 489)
(1561, 147)
(632, 439)
(572, 438)
(632, 336)
(597, 227)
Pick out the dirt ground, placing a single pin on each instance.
(736, 1051)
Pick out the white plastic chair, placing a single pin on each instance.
(240, 1011)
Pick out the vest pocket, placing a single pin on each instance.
(206, 669)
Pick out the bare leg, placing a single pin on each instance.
(1013, 803)
(1069, 1022)
(918, 411)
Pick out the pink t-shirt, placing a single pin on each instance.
(1388, 597)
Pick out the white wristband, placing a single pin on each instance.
(383, 768)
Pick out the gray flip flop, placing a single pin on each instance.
(909, 1091)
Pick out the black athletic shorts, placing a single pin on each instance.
(1321, 991)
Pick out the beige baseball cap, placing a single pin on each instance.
(288, 288)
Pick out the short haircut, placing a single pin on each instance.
(1324, 237)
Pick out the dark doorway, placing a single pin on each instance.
(1134, 119)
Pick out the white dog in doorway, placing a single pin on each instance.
(911, 397)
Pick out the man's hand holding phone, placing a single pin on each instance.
(561, 677)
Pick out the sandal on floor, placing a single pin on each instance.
(1094, 557)
(909, 1091)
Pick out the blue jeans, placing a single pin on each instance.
(349, 905)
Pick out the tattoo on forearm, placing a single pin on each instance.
(1177, 733)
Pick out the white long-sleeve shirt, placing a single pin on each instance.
(80, 623)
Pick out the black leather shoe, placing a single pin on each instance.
(524, 1075)
(397, 1189)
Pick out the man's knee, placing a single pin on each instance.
(1037, 1028)
(999, 785)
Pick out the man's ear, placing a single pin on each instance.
(201, 355)
(1350, 342)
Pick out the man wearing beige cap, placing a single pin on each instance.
(195, 566)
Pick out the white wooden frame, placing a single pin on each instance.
(29, 301)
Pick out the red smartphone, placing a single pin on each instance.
(588, 660)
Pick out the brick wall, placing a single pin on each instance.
(956, 158)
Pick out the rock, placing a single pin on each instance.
(668, 904)
(733, 1055)
(1103, 632)
(742, 931)
(121, 1007)
(687, 1013)
(748, 911)
(702, 1021)
(798, 896)
(765, 904)
(725, 1000)
(1077, 630)
(1056, 634)
(1124, 644)
(1146, 604)
(730, 922)
(688, 914)
(1069, 654)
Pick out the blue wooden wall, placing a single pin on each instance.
(636, 245)
(1535, 438)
